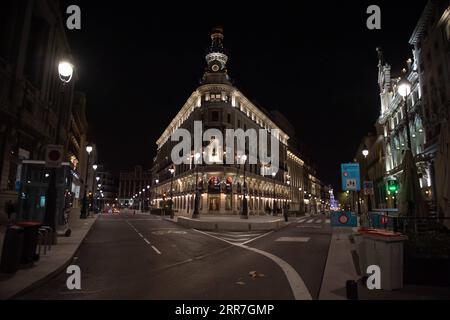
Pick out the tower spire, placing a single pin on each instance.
(216, 59)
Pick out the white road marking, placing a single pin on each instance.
(143, 238)
(157, 251)
(310, 221)
(310, 227)
(298, 287)
(293, 239)
(261, 236)
(319, 221)
(301, 220)
(328, 221)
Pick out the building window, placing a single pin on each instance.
(229, 118)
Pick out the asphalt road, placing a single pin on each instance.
(145, 257)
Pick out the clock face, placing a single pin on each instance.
(215, 66)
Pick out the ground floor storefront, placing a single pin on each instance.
(223, 194)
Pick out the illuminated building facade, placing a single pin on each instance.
(219, 105)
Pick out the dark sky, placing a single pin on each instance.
(315, 62)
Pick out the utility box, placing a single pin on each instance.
(385, 251)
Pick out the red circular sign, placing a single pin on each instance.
(54, 155)
(343, 219)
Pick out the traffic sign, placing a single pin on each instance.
(350, 177)
(368, 188)
(54, 156)
(343, 219)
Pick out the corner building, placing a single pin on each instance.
(219, 105)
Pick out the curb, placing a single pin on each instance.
(52, 274)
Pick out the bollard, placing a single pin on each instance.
(352, 290)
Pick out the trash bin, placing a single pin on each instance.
(12, 249)
(385, 250)
(30, 241)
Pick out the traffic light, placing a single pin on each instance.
(393, 186)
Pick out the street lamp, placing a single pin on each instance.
(94, 167)
(196, 214)
(365, 153)
(404, 89)
(65, 73)
(83, 214)
(172, 173)
(244, 201)
(274, 174)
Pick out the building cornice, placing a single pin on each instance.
(192, 102)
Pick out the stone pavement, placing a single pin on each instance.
(48, 265)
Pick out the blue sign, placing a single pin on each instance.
(343, 220)
(351, 180)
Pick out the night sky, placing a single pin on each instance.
(138, 62)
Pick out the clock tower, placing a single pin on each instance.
(216, 59)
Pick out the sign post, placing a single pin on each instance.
(54, 156)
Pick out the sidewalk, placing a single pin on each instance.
(48, 265)
(340, 267)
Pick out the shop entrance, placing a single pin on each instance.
(214, 204)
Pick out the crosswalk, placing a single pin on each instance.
(238, 238)
(313, 222)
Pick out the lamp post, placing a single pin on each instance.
(274, 174)
(65, 73)
(404, 89)
(172, 173)
(244, 201)
(156, 194)
(96, 197)
(365, 153)
(196, 213)
(143, 200)
(94, 168)
(83, 214)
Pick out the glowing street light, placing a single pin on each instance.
(65, 71)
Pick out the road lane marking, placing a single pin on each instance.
(309, 227)
(293, 239)
(319, 221)
(310, 221)
(328, 221)
(301, 220)
(157, 251)
(143, 238)
(297, 284)
(261, 236)
(298, 287)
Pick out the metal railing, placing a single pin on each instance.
(389, 219)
